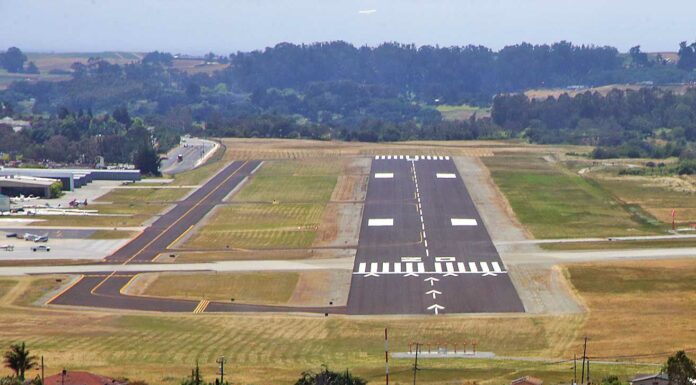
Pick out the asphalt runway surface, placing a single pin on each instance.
(423, 248)
(195, 149)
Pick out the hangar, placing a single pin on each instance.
(72, 178)
(14, 185)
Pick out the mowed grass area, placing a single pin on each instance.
(634, 308)
(287, 225)
(292, 181)
(280, 207)
(263, 288)
(638, 305)
(462, 112)
(555, 203)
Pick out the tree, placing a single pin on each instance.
(13, 60)
(146, 160)
(121, 115)
(680, 369)
(32, 68)
(327, 377)
(640, 59)
(19, 360)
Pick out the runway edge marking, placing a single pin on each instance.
(75, 282)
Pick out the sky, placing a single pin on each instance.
(223, 27)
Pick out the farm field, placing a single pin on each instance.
(462, 112)
(155, 347)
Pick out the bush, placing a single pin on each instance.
(56, 189)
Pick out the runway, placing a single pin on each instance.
(423, 248)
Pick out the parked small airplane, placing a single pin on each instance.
(22, 198)
(7, 247)
(76, 204)
(35, 237)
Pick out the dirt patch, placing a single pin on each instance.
(544, 289)
(322, 288)
(340, 224)
(139, 285)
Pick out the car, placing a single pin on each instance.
(41, 248)
(11, 235)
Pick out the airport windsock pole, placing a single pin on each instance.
(386, 355)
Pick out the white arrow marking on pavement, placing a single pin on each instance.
(434, 293)
(432, 280)
(410, 275)
(436, 308)
(450, 275)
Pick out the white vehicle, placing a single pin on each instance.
(41, 248)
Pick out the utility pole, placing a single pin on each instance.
(584, 355)
(575, 369)
(42, 370)
(386, 356)
(221, 361)
(588, 370)
(415, 365)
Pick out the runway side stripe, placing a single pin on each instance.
(179, 237)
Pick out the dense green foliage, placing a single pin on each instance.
(337, 91)
(645, 123)
(680, 369)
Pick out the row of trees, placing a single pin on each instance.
(644, 123)
(79, 137)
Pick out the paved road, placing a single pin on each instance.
(194, 151)
(420, 262)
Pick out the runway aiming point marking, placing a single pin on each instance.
(378, 222)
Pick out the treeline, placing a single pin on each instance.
(79, 137)
(646, 123)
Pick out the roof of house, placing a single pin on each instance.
(80, 378)
(641, 377)
(528, 379)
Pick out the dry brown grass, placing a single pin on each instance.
(638, 307)
(556, 92)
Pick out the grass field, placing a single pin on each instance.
(250, 224)
(276, 348)
(618, 245)
(462, 112)
(656, 195)
(555, 203)
(288, 225)
(264, 288)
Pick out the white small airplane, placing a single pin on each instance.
(7, 247)
(35, 237)
(22, 198)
